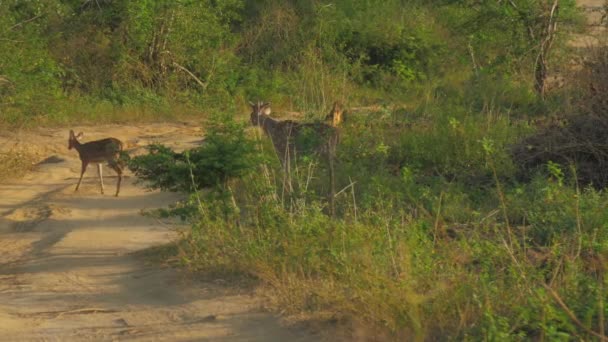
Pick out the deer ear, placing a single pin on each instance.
(71, 133)
(266, 104)
(79, 135)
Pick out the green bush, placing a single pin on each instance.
(57, 55)
(225, 153)
(419, 253)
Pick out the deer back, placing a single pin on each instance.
(293, 138)
(100, 150)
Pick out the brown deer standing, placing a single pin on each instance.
(290, 138)
(336, 115)
(98, 151)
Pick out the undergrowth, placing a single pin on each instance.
(435, 237)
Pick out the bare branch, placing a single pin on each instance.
(548, 35)
(24, 22)
(571, 314)
(198, 80)
(5, 80)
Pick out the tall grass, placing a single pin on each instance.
(72, 111)
(435, 237)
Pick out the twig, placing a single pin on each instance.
(437, 216)
(503, 203)
(198, 80)
(392, 252)
(88, 1)
(4, 79)
(540, 65)
(85, 311)
(24, 22)
(601, 304)
(490, 214)
(572, 316)
(354, 198)
(194, 187)
(346, 188)
(578, 214)
(473, 60)
(58, 314)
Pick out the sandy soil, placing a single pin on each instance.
(66, 272)
(596, 32)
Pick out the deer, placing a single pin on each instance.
(99, 151)
(336, 115)
(287, 136)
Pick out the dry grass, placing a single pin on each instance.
(15, 163)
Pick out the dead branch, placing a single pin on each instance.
(580, 142)
(571, 314)
(198, 80)
(3, 79)
(548, 35)
(24, 22)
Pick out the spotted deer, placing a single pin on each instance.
(99, 151)
(336, 115)
(291, 138)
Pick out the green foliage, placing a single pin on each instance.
(420, 248)
(60, 55)
(225, 153)
(30, 77)
(162, 168)
(388, 268)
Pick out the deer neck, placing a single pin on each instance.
(268, 124)
(77, 145)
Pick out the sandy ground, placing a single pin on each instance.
(596, 32)
(66, 272)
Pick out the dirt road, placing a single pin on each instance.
(66, 272)
(596, 27)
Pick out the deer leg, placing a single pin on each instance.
(82, 170)
(287, 157)
(100, 173)
(332, 186)
(288, 172)
(284, 187)
(114, 165)
(331, 158)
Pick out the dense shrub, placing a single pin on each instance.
(425, 247)
(577, 141)
(211, 54)
(225, 153)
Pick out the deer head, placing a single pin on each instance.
(335, 116)
(259, 109)
(73, 140)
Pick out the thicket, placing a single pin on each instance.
(436, 237)
(78, 60)
(442, 244)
